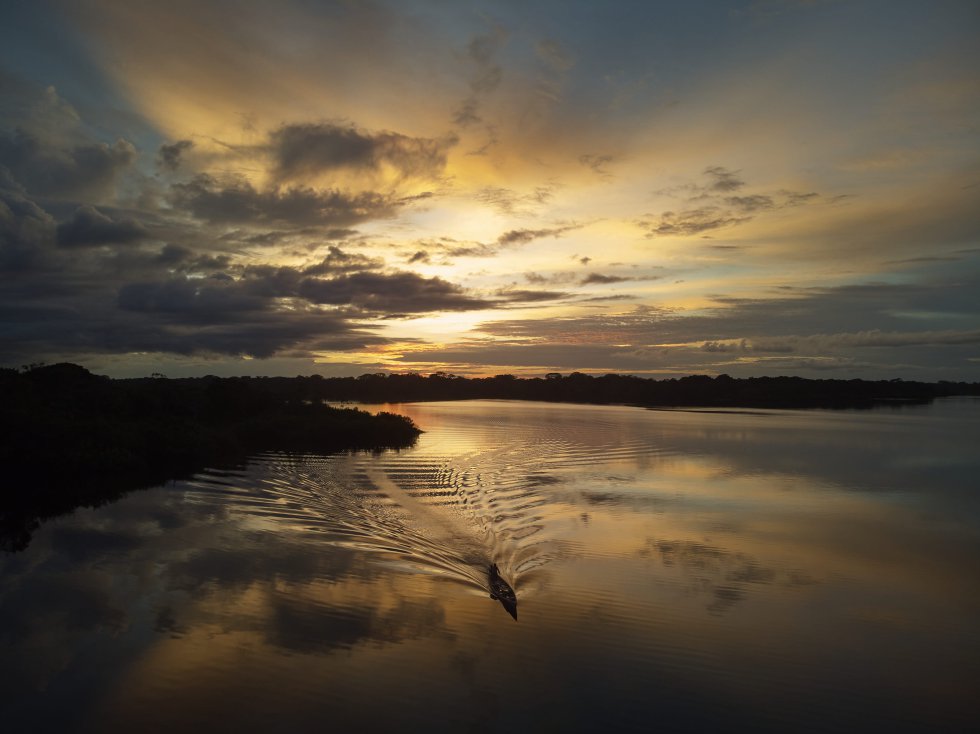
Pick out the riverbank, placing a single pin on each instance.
(77, 439)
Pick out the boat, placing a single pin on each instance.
(502, 591)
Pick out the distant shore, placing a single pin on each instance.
(698, 391)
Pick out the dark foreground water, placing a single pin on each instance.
(693, 571)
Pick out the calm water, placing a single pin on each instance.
(694, 571)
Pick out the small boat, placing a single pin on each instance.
(502, 591)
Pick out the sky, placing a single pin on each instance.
(754, 187)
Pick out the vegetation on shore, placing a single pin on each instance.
(73, 439)
(694, 391)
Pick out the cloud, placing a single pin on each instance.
(750, 204)
(529, 296)
(599, 279)
(510, 202)
(169, 156)
(238, 202)
(25, 229)
(693, 221)
(722, 179)
(400, 292)
(485, 76)
(713, 205)
(523, 236)
(89, 227)
(598, 163)
(310, 149)
(70, 171)
(553, 278)
(811, 330)
(207, 300)
(822, 343)
(338, 261)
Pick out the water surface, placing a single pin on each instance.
(675, 570)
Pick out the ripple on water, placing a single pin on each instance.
(459, 501)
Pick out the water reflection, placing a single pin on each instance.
(773, 570)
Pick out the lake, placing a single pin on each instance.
(754, 570)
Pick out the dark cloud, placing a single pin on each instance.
(693, 221)
(194, 300)
(553, 278)
(338, 261)
(174, 254)
(259, 287)
(529, 296)
(238, 202)
(794, 198)
(80, 171)
(709, 208)
(722, 179)
(302, 150)
(25, 229)
(274, 237)
(89, 227)
(475, 250)
(599, 279)
(523, 236)
(401, 292)
(420, 256)
(754, 203)
(169, 156)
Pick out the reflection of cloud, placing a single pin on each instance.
(723, 574)
(305, 626)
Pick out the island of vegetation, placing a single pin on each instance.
(72, 438)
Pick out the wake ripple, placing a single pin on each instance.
(478, 493)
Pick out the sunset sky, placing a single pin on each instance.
(656, 188)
